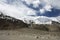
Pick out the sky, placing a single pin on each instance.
(32, 8)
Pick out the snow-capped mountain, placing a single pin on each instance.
(39, 19)
(29, 20)
(35, 20)
(8, 23)
(37, 11)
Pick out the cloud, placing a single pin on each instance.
(16, 11)
(37, 3)
(54, 3)
(49, 4)
(42, 11)
(46, 8)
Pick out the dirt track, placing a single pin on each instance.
(28, 34)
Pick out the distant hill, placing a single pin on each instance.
(55, 26)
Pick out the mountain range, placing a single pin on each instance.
(11, 23)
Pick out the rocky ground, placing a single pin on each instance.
(28, 34)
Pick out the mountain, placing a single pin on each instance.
(53, 27)
(7, 22)
(21, 13)
(40, 23)
(39, 19)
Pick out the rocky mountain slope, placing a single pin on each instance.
(7, 22)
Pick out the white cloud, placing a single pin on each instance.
(42, 11)
(48, 7)
(45, 8)
(31, 12)
(36, 3)
(22, 8)
(29, 1)
(54, 3)
(15, 11)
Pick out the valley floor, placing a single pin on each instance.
(28, 34)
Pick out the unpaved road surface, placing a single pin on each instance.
(28, 34)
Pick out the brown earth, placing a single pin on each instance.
(28, 34)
